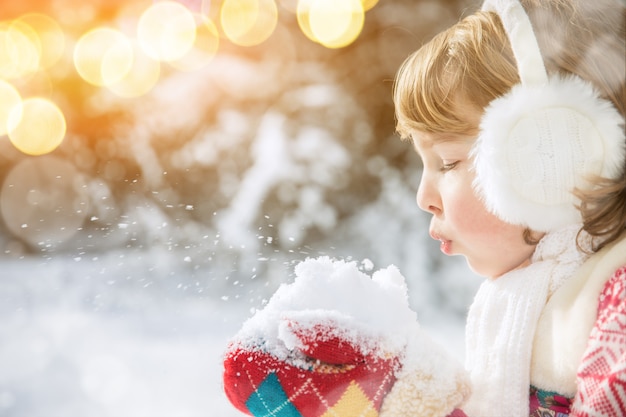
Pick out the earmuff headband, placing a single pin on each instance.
(546, 137)
(520, 32)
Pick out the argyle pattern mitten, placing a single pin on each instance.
(323, 376)
(339, 343)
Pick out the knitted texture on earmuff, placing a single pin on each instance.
(545, 138)
(539, 143)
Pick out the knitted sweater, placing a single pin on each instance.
(587, 333)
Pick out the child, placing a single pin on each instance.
(517, 113)
(503, 147)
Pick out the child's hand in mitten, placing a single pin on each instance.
(323, 374)
(334, 343)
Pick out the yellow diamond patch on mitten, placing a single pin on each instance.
(353, 403)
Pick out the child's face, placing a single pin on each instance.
(459, 218)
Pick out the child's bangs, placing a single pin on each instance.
(427, 91)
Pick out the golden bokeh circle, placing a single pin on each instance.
(39, 128)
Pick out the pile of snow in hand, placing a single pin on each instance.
(370, 312)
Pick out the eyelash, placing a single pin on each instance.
(448, 167)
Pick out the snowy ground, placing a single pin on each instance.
(78, 339)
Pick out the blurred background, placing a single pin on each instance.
(163, 167)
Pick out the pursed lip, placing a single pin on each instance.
(445, 245)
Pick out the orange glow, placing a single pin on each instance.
(290, 5)
(332, 23)
(20, 50)
(369, 4)
(40, 129)
(248, 22)
(10, 100)
(204, 48)
(303, 11)
(166, 31)
(50, 36)
(103, 56)
(140, 79)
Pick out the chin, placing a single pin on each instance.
(484, 270)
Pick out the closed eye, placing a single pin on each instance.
(448, 166)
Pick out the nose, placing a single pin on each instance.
(428, 197)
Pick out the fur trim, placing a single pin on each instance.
(430, 384)
(538, 143)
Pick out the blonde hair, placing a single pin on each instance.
(472, 63)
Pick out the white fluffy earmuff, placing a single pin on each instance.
(544, 138)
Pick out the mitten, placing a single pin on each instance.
(336, 342)
(323, 375)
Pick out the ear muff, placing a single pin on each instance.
(544, 138)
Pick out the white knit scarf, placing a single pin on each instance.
(501, 325)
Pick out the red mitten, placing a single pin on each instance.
(338, 343)
(325, 375)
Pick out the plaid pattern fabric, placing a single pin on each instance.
(260, 385)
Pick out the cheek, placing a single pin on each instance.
(465, 209)
(473, 219)
(491, 246)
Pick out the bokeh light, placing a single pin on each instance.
(141, 77)
(39, 127)
(166, 31)
(42, 201)
(369, 4)
(204, 48)
(20, 50)
(302, 11)
(10, 101)
(50, 36)
(103, 56)
(332, 23)
(248, 22)
(290, 5)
